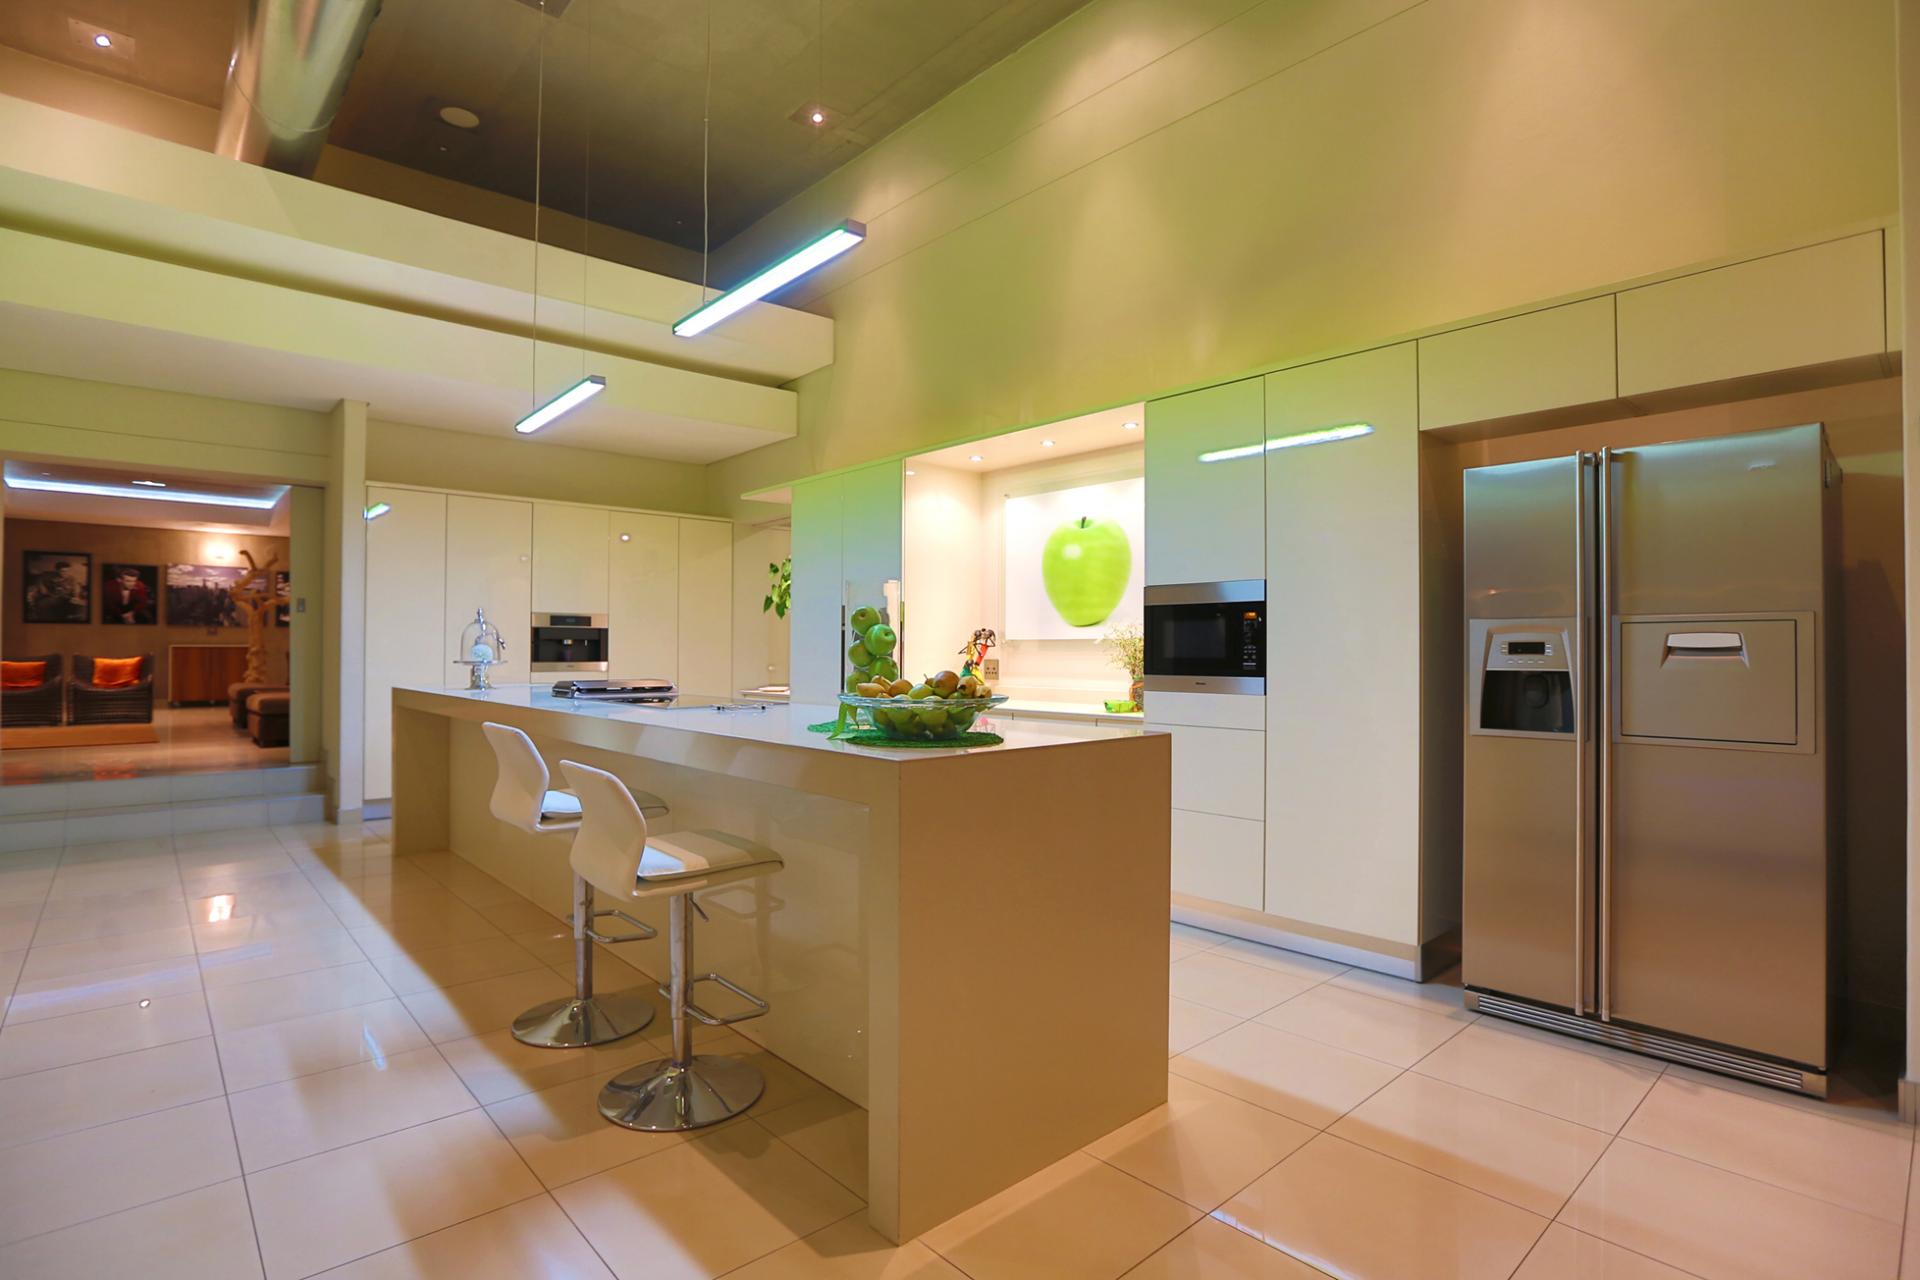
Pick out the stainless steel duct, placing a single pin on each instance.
(290, 66)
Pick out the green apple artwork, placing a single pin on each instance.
(1073, 569)
(1085, 567)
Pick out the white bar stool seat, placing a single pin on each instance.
(615, 852)
(523, 798)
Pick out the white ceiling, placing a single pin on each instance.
(1088, 433)
(148, 513)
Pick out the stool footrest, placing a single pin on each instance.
(695, 1012)
(647, 931)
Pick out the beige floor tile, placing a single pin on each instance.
(410, 972)
(80, 1037)
(1442, 995)
(1077, 1219)
(786, 1084)
(531, 1240)
(199, 1235)
(475, 887)
(254, 1004)
(423, 932)
(1855, 1160)
(59, 1181)
(475, 1008)
(517, 915)
(91, 956)
(247, 931)
(276, 957)
(1586, 1084)
(1523, 1157)
(107, 915)
(257, 897)
(1203, 1145)
(1180, 948)
(345, 1204)
(553, 943)
(1212, 1250)
(1363, 1024)
(297, 1047)
(704, 1207)
(1910, 1243)
(301, 1117)
(848, 1250)
(37, 998)
(829, 1131)
(562, 1136)
(1723, 1226)
(17, 923)
(1214, 980)
(91, 879)
(1355, 1213)
(1311, 1082)
(1301, 965)
(10, 964)
(495, 1066)
(1188, 1024)
(46, 1104)
(1566, 1254)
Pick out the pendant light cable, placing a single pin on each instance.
(706, 163)
(586, 196)
(539, 130)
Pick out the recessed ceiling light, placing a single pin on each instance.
(974, 457)
(1046, 444)
(460, 117)
(103, 40)
(626, 537)
(911, 471)
(1130, 426)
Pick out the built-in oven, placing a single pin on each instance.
(569, 642)
(1207, 637)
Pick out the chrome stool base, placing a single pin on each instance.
(574, 1023)
(663, 1098)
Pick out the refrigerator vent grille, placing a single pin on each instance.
(1653, 1044)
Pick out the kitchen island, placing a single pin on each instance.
(969, 943)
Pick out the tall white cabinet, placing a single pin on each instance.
(665, 583)
(1206, 511)
(406, 608)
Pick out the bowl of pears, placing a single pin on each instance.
(939, 708)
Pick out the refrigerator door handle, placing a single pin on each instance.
(1581, 650)
(1603, 611)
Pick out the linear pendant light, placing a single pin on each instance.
(784, 272)
(573, 397)
(1324, 435)
(146, 495)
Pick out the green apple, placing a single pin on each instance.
(885, 669)
(879, 639)
(1085, 567)
(858, 656)
(854, 681)
(864, 619)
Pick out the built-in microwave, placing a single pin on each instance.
(1207, 637)
(569, 642)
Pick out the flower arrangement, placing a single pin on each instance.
(1127, 649)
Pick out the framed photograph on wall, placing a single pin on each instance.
(1075, 560)
(201, 595)
(57, 586)
(129, 595)
(282, 598)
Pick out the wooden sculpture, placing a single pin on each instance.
(254, 596)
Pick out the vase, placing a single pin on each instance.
(1137, 694)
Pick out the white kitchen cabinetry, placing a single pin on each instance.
(1343, 571)
(489, 565)
(1205, 518)
(643, 589)
(1548, 359)
(705, 663)
(569, 558)
(1810, 306)
(1219, 794)
(406, 603)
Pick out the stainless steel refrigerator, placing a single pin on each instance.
(1651, 774)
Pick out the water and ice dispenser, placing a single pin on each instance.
(1524, 683)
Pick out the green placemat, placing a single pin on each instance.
(875, 738)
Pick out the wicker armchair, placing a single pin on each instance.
(88, 703)
(40, 705)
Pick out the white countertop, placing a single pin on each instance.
(780, 724)
(1078, 710)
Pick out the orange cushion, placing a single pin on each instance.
(115, 673)
(22, 675)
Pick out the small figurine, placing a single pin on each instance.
(975, 653)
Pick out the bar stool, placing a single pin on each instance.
(521, 798)
(615, 853)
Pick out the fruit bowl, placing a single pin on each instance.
(925, 720)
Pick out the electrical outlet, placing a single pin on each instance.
(993, 670)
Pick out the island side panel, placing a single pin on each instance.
(1032, 999)
(420, 771)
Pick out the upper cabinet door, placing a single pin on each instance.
(569, 559)
(706, 607)
(1206, 488)
(489, 566)
(1811, 306)
(643, 588)
(1524, 364)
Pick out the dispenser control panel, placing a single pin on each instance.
(1522, 652)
